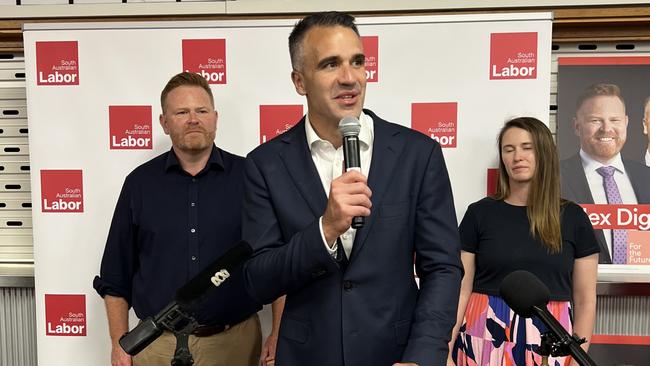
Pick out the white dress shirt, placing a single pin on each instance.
(597, 189)
(329, 163)
(647, 157)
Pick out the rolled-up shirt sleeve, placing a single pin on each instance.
(119, 261)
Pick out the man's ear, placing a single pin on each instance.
(163, 123)
(575, 126)
(298, 82)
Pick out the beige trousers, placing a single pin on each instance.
(238, 346)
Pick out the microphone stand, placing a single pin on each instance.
(545, 347)
(556, 344)
(176, 316)
(182, 354)
(178, 320)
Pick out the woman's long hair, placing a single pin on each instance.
(543, 206)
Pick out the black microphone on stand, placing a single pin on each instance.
(176, 316)
(349, 128)
(528, 296)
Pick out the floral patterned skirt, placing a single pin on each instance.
(492, 334)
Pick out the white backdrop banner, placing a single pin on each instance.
(93, 104)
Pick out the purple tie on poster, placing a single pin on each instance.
(619, 237)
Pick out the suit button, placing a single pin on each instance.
(347, 285)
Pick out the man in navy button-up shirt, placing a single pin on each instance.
(176, 214)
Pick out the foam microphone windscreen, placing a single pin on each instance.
(198, 285)
(522, 291)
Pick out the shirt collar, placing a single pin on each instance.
(647, 157)
(590, 164)
(214, 161)
(366, 134)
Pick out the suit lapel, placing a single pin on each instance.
(296, 157)
(639, 180)
(579, 183)
(604, 256)
(385, 152)
(583, 195)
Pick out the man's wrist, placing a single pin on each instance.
(330, 243)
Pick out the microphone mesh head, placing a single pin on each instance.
(349, 126)
(522, 291)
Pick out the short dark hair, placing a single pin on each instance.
(324, 19)
(597, 90)
(185, 79)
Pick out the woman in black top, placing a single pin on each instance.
(524, 226)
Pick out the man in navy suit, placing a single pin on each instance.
(351, 295)
(601, 125)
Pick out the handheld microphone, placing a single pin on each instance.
(175, 316)
(349, 128)
(528, 296)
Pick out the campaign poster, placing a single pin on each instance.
(603, 143)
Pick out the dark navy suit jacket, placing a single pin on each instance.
(372, 313)
(575, 188)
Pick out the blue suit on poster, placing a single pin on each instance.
(371, 313)
(575, 188)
